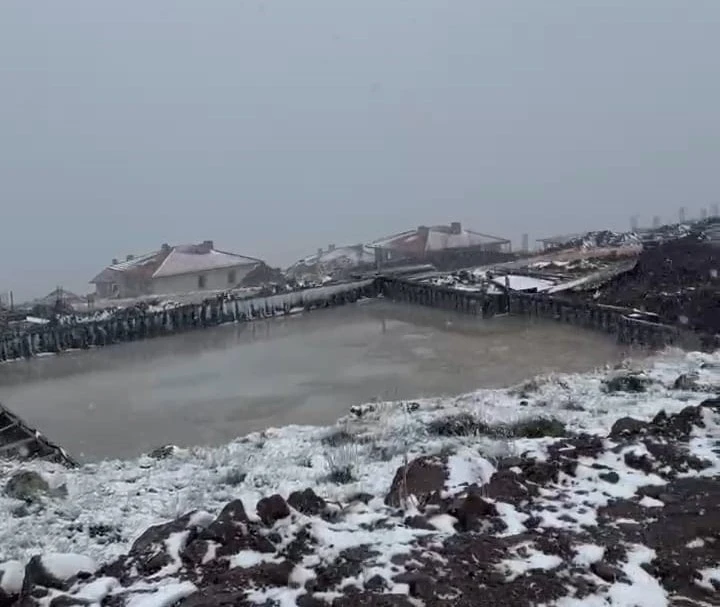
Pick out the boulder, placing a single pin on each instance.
(307, 502)
(626, 427)
(57, 570)
(272, 509)
(151, 551)
(421, 477)
(28, 486)
(231, 532)
(632, 382)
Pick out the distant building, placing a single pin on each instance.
(552, 242)
(178, 269)
(335, 261)
(425, 241)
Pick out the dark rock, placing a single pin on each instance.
(306, 502)
(349, 563)
(679, 425)
(420, 586)
(27, 485)
(541, 473)
(39, 573)
(419, 522)
(626, 383)
(606, 572)
(470, 510)
(639, 462)
(421, 477)
(377, 583)
(7, 600)
(67, 600)
(149, 552)
(462, 424)
(686, 381)
(610, 477)
(163, 452)
(538, 427)
(507, 486)
(300, 546)
(365, 498)
(272, 509)
(627, 427)
(232, 531)
(509, 462)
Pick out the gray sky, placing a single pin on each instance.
(274, 127)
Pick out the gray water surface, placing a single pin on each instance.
(212, 385)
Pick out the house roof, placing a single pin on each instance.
(339, 257)
(173, 261)
(185, 259)
(437, 238)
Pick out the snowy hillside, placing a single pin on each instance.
(536, 495)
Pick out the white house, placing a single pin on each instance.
(178, 269)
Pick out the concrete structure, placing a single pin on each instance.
(178, 269)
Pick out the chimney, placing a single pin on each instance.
(455, 227)
(165, 248)
(115, 261)
(208, 244)
(331, 247)
(129, 257)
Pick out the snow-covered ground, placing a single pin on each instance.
(109, 504)
(129, 496)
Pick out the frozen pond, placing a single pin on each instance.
(212, 385)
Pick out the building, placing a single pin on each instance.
(178, 269)
(334, 262)
(553, 242)
(425, 242)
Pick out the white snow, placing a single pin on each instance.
(165, 596)
(518, 282)
(465, 468)
(64, 566)
(12, 576)
(587, 554)
(528, 558)
(707, 577)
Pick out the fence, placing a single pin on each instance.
(132, 324)
(607, 319)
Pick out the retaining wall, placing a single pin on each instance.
(133, 324)
(607, 319)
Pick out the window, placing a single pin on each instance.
(232, 277)
(202, 281)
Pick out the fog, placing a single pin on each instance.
(276, 127)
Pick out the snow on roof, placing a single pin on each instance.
(136, 261)
(517, 282)
(438, 238)
(185, 259)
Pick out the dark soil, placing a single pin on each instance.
(677, 280)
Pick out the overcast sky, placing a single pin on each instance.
(274, 127)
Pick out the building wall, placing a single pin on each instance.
(214, 280)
